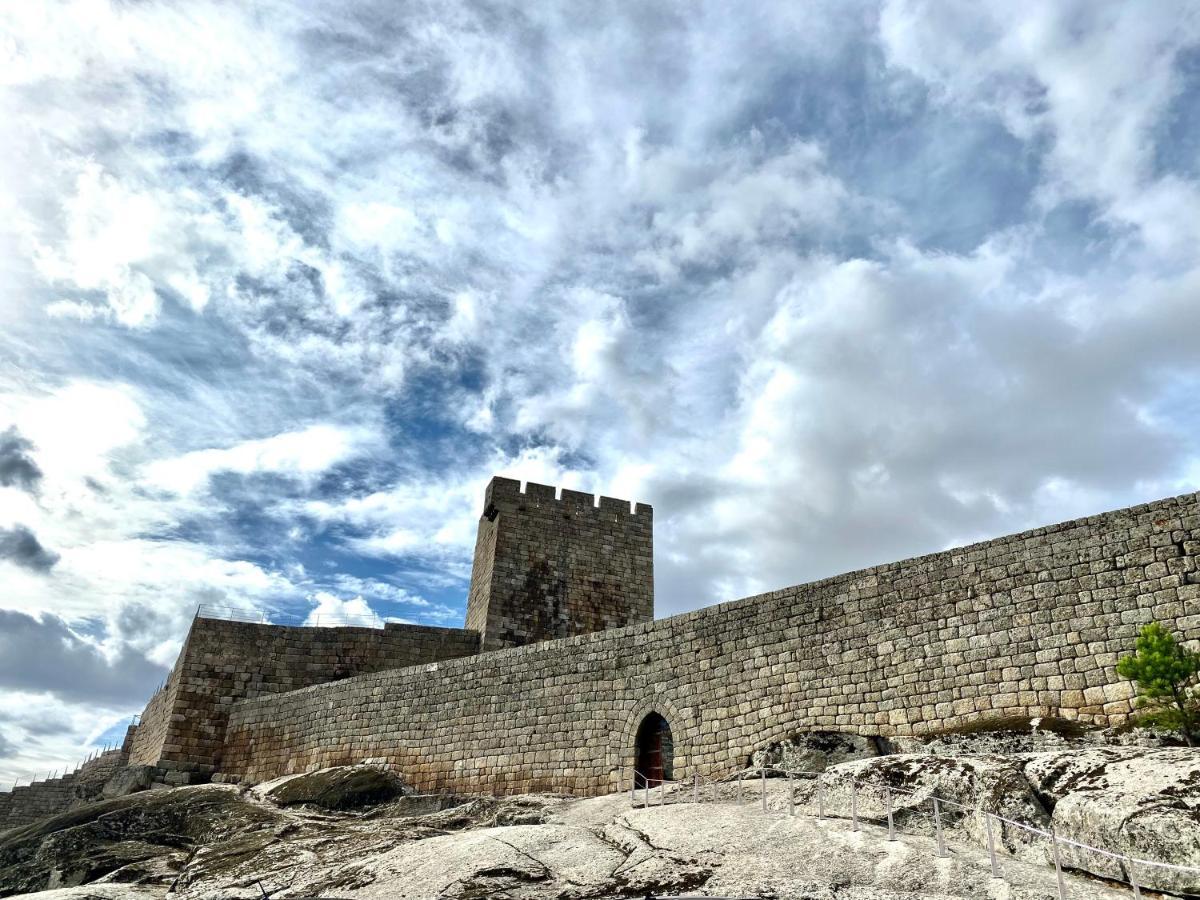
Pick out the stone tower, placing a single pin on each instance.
(548, 567)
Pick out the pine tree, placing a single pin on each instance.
(1165, 672)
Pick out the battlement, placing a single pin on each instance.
(552, 563)
(507, 491)
(905, 648)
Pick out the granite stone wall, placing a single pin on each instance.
(183, 726)
(552, 567)
(29, 802)
(1026, 625)
(151, 734)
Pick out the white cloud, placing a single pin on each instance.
(330, 610)
(303, 453)
(119, 240)
(77, 429)
(1093, 79)
(418, 251)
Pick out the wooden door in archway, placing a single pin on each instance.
(654, 751)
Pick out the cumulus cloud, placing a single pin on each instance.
(21, 547)
(46, 655)
(828, 285)
(17, 467)
(332, 610)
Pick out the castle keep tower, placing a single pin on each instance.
(548, 567)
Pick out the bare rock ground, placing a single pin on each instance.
(1136, 802)
(219, 842)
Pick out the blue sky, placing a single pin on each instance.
(828, 283)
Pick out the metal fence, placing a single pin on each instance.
(66, 770)
(1123, 867)
(267, 617)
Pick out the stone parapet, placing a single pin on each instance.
(1026, 625)
(548, 566)
(29, 802)
(183, 726)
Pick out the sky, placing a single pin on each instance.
(828, 283)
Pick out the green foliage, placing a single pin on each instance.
(1168, 717)
(1165, 672)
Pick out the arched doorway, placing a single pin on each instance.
(653, 751)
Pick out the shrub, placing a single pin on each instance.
(1166, 673)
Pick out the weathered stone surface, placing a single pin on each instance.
(349, 787)
(1033, 735)
(1139, 803)
(972, 785)
(146, 836)
(234, 849)
(1023, 627)
(128, 780)
(552, 567)
(101, 892)
(815, 751)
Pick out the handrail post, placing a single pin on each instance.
(991, 839)
(887, 797)
(1137, 891)
(791, 795)
(764, 788)
(937, 824)
(633, 789)
(854, 803)
(645, 792)
(1062, 889)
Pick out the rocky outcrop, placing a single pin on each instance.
(1134, 802)
(972, 785)
(1137, 803)
(144, 837)
(815, 751)
(129, 780)
(219, 843)
(344, 787)
(329, 834)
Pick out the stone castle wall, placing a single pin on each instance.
(183, 726)
(150, 735)
(1026, 625)
(549, 567)
(29, 802)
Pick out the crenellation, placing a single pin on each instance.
(547, 567)
(542, 492)
(545, 687)
(579, 499)
(612, 504)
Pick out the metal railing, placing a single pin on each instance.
(693, 790)
(70, 769)
(267, 617)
